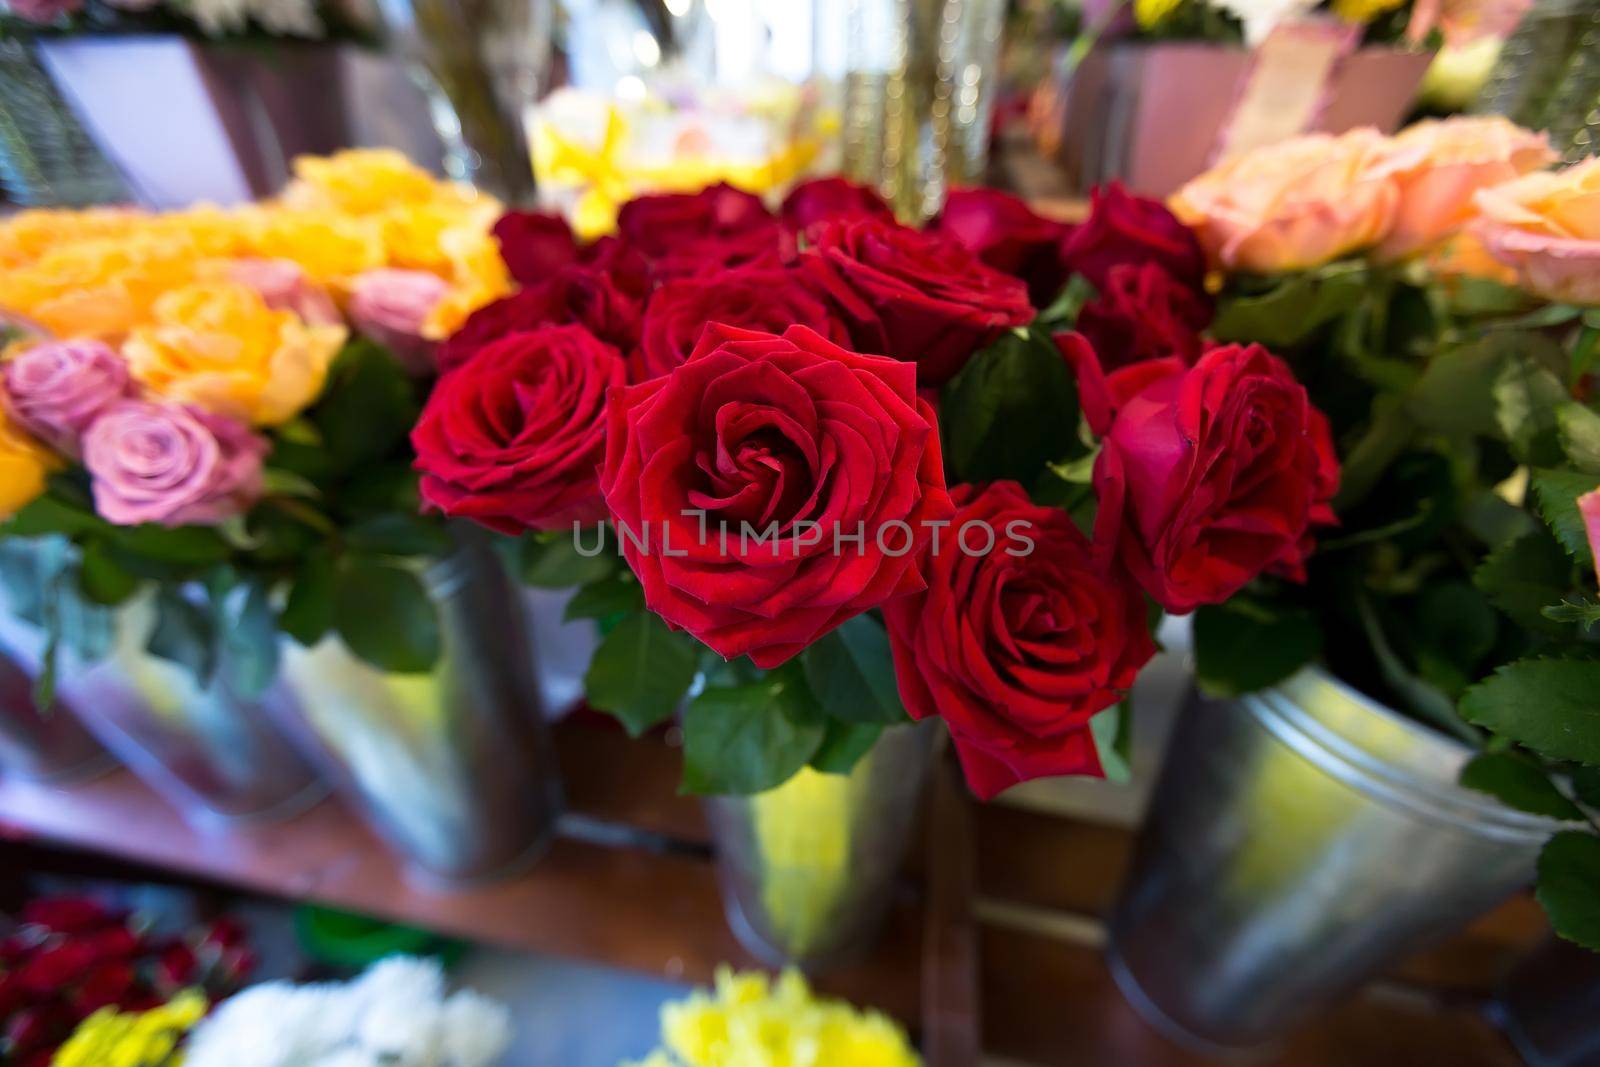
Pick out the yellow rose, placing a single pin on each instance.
(1546, 227)
(359, 181)
(1463, 256)
(1438, 165)
(1292, 205)
(219, 346)
(329, 246)
(477, 274)
(27, 235)
(99, 288)
(415, 235)
(24, 463)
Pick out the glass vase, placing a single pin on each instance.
(454, 766)
(808, 869)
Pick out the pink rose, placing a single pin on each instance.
(171, 464)
(1546, 227)
(43, 12)
(391, 306)
(1589, 509)
(58, 388)
(284, 286)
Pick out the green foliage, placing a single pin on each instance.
(751, 738)
(1010, 412)
(385, 616)
(1569, 886)
(851, 672)
(366, 410)
(308, 609)
(614, 594)
(1558, 492)
(1246, 644)
(843, 745)
(1526, 396)
(641, 671)
(1519, 783)
(553, 560)
(1524, 576)
(1113, 740)
(1546, 705)
(1294, 307)
(1579, 428)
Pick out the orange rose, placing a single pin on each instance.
(1546, 227)
(1292, 205)
(24, 464)
(1439, 164)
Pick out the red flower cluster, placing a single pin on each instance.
(67, 957)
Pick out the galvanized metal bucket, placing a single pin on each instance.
(44, 746)
(454, 767)
(1301, 840)
(808, 869)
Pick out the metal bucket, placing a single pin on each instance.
(1301, 840)
(808, 869)
(48, 746)
(454, 767)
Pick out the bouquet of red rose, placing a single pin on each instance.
(820, 472)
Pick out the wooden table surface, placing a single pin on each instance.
(993, 939)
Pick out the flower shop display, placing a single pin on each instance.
(77, 974)
(798, 555)
(750, 1017)
(1400, 739)
(214, 484)
(399, 1011)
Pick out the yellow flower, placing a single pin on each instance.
(1150, 12)
(477, 274)
(331, 247)
(415, 235)
(219, 345)
(362, 181)
(110, 1038)
(1362, 12)
(99, 288)
(24, 463)
(27, 235)
(748, 1021)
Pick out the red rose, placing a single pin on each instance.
(796, 437)
(535, 245)
(1212, 474)
(1005, 233)
(1130, 229)
(918, 297)
(69, 915)
(513, 437)
(752, 298)
(1144, 313)
(695, 233)
(821, 199)
(583, 296)
(1021, 637)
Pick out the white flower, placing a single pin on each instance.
(477, 1030)
(1261, 17)
(217, 18)
(290, 18)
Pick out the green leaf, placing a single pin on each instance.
(1526, 397)
(1574, 609)
(386, 616)
(367, 408)
(751, 738)
(1558, 492)
(192, 546)
(397, 534)
(1518, 783)
(1524, 576)
(104, 580)
(250, 642)
(278, 481)
(843, 745)
(614, 594)
(1292, 309)
(1586, 785)
(1547, 705)
(553, 561)
(184, 634)
(641, 671)
(1569, 886)
(851, 673)
(1580, 436)
(1456, 628)
(1011, 411)
(1455, 394)
(1246, 644)
(1063, 310)
(1111, 730)
(308, 611)
(50, 514)
(1425, 699)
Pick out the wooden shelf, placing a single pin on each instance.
(995, 933)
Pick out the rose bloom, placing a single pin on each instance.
(752, 298)
(284, 286)
(585, 296)
(42, 12)
(1293, 205)
(535, 245)
(220, 347)
(821, 199)
(778, 433)
(918, 297)
(1209, 475)
(1589, 511)
(24, 466)
(392, 307)
(1144, 313)
(364, 181)
(1125, 229)
(330, 246)
(513, 438)
(1005, 233)
(56, 389)
(1546, 227)
(1017, 652)
(1439, 164)
(171, 464)
(696, 233)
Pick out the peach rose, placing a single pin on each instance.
(220, 347)
(24, 463)
(1292, 205)
(1439, 164)
(1546, 227)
